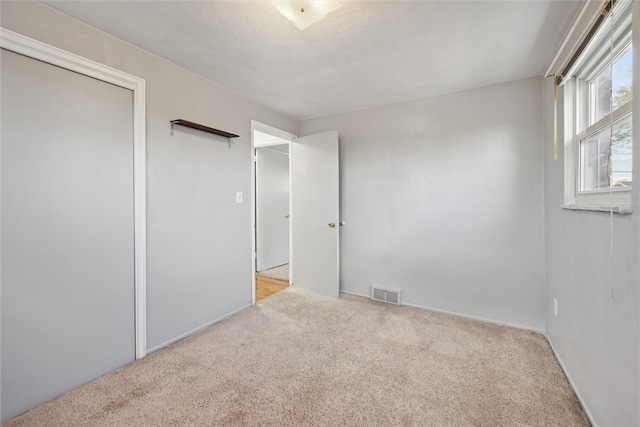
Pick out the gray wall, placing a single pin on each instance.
(443, 198)
(597, 338)
(199, 239)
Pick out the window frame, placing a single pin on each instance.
(609, 120)
(577, 110)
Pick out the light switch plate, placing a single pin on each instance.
(239, 197)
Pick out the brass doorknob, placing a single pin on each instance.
(332, 224)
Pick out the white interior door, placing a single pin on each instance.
(272, 208)
(315, 213)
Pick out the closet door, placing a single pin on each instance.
(67, 231)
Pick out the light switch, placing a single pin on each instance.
(238, 196)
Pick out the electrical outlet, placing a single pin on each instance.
(555, 307)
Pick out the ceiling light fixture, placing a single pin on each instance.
(305, 13)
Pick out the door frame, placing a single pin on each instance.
(261, 127)
(35, 49)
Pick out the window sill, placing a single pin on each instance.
(622, 210)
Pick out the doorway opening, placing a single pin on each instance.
(271, 199)
(313, 208)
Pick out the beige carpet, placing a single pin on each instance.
(280, 272)
(299, 359)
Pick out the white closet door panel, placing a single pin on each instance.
(67, 231)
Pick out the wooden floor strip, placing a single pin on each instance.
(266, 286)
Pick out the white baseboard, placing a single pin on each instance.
(196, 330)
(585, 408)
(354, 294)
(465, 316)
(481, 319)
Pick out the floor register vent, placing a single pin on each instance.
(389, 295)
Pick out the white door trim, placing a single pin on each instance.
(261, 127)
(23, 45)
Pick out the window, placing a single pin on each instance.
(605, 158)
(598, 98)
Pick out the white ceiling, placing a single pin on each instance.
(365, 54)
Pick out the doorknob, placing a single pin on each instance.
(332, 224)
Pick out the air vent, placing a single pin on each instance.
(389, 295)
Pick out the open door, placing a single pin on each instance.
(315, 213)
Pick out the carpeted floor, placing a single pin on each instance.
(300, 359)
(280, 272)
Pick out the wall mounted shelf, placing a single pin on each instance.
(203, 128)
